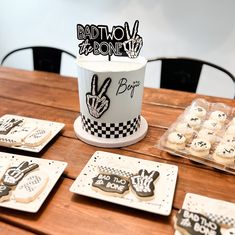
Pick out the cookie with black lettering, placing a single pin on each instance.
(110, 184)
(142, 184)
(190, 223)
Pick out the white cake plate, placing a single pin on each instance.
(110, 143)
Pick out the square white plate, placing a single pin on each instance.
(211, 208)
(54, 127)
(54, 170)
(164, 185)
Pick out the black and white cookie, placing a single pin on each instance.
(110, 184)
(16, 173)
(6, 124)
(191, 223)
(5, 193)
(143, 183)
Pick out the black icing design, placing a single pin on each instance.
(110, 183)
(196, 224)
(97, 101)
(8, 124)
(142, 183)
(4, 191)
(99, 40)
(14, 174)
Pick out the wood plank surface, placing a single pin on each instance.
(7, 229)
(89, 216)
(52, 97)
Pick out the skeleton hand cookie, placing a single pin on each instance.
(142, 183)
(14, 174)
(134, 42)
(97, 101)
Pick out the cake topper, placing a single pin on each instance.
(97, 39)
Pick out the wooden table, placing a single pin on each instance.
(55, 98)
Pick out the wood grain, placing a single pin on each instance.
(53, 97)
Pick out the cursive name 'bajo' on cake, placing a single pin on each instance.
(123, 86)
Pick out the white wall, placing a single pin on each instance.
(204, 29)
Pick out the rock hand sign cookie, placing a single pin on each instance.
(97, 100)
(99, 40)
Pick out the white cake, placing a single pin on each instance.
(110, 94)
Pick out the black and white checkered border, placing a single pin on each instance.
(220, 219)
(110, 130)
(114, 171)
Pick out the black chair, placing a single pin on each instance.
(183, 73)
(44, 58)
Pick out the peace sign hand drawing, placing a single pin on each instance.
(142, 183)
(97, 101)
(14, 174)
(134, 42)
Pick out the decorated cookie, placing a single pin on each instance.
(194, 121)
(7, 124)
(218, 116)
(198, 111)
(224, 154)
(37, 137)
(223, 221)
(21, 131)
(200, 147)
(176, 140)
(31, 186)
(14, 174)
(5, 193)
(231, 130)
(143, 183)
(212, 125)
(188, 222)
(111, 184)
(114, 171)
(4, 165)
(185, 129)
(229, 140)
(207, 134)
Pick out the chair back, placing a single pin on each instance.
(44, 58)
(184, 73)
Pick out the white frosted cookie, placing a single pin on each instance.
(218, 116)
(212, 125)
(194, 121)
(37, 137)
(200, 147)
(176, 140)
(232, 121)
(31, 186)
(185, 129)
(229, 140)
(207, 135)
(17, 134)
(224, 154)
(4, 165)
(230, 130)
(198, 111)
